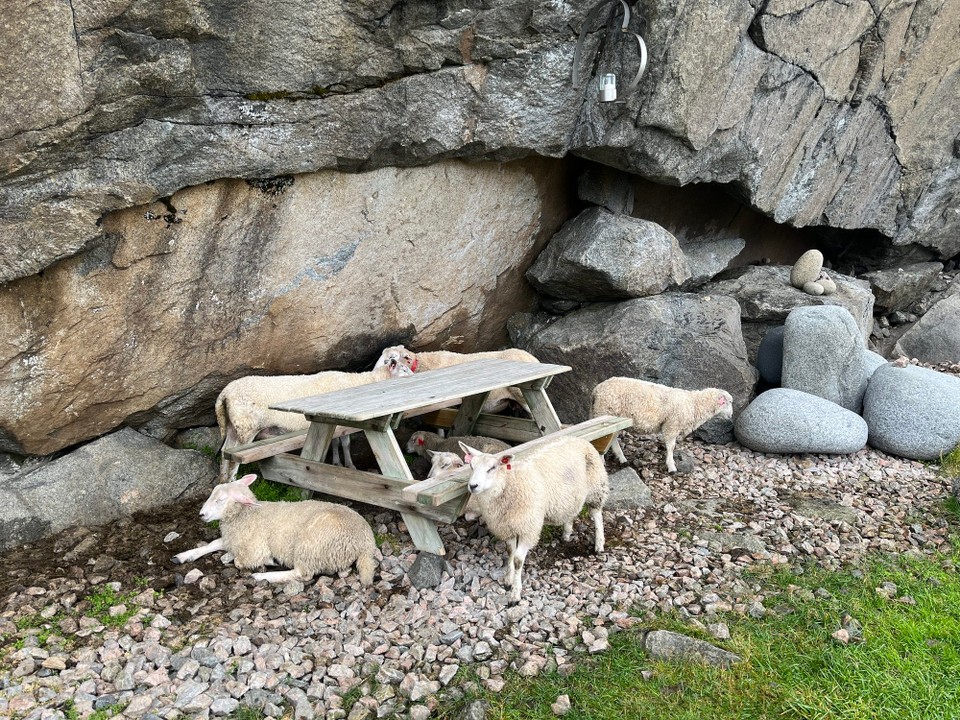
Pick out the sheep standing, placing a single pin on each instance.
(551, 484)
(309, 536)
(496, 401)
(655, 408)
(243, 406)
(422, 442)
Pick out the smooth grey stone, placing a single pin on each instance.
(913, 412)
(671, 646)
(790, 421)
(823, 355)
(627, 490)
(427, 570)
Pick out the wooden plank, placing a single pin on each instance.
(466, 419)
(317, 444)
(388, 453)
(373, 400)
(438, 490)
(356, 485)
(541, 409)
(504, 427)
(423, 532)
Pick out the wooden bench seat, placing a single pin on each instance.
(433, 492)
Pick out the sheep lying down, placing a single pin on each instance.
(310, 537)
(674, 413)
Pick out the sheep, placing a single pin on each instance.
(444, 463)
(309, 536)
(552, 483)
(422, 442)
(655, 408)
(243, 406)
(496, 401)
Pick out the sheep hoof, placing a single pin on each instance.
(176, 561)
(512, 603)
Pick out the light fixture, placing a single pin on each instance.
(608, 81)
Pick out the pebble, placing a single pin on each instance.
(210, 649)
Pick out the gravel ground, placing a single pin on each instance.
(169, 641)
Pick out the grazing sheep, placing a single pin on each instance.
(516, 496)
(421, 442)
(497, 400)
(654, 408)
(309, 536)
(243, 406)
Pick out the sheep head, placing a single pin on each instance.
(400, 356)
(224, 494)
(724, 404)
(443, 462)
(485, 469)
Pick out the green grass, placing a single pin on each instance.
(950, 463)
(908, 665)
(269, 491)
(106, 597)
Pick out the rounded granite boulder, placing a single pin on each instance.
(913, 412)
(790, 421)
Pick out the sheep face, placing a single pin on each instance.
(724, 404)
(485, 469)
(398, 354)
(415, 442)
(237, 491)
(443, 462)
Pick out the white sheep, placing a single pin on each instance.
(517, 495)
(496, 401)
(309, 536)
(444, 463)
(243, 406)
(422, 442)
(655, 408)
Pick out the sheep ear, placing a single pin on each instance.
(248, 479)
(467, 450)
(431, 453)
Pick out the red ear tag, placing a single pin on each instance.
(508, 466)
(419, 441)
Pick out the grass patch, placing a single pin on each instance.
(950, 463)
(105, 598)
(270, 491)
(907, 666)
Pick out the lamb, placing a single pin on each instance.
(422, 442)
(309, 536)
(243, 406)
(516, 496)
(655, 408)
(444, 463)
(497, 400)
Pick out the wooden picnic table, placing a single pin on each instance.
(377, 409)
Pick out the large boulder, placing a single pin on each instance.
(935, 338)
(899, 288)
(676, 339)
(117, 475)
(600, 255)
(823, 354)
(913, 412)
(117, 104)
(295, 275)
(766, 298)
(790, 421)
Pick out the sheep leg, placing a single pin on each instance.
(335, 451)
(345, 444)
(512, 549)
(567, 530)
(229, 468)
(670, 443)
(191, 555)
(278, 576)
(618, 451)
(519, 556)
(598, 537)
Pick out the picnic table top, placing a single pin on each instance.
(379, 399)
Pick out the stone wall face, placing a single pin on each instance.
(817, 113)
(305, 273)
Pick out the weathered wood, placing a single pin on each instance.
(423, 532)
(541, 409)
(388, 453)
(318, 440)
(356, 485)
(469, 414)
(511, 429)
(374, 400)
(436, 491)
(260, 449)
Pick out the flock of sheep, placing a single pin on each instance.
(515, 495)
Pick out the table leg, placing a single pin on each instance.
(541, 409)
(468, 415)
(422, 530)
